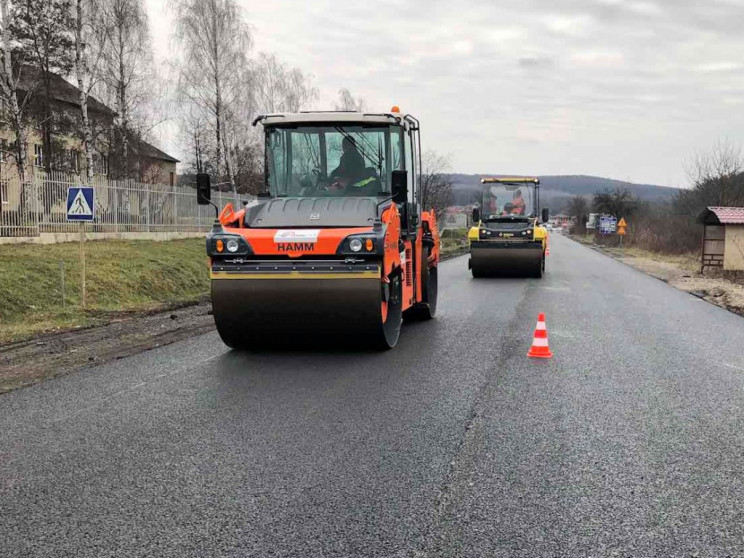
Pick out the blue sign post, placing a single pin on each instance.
(80, 203)
(81, 208)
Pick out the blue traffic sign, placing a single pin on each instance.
(80, 203)
(607, 224)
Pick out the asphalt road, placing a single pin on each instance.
(630, 442)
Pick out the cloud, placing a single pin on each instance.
(535, 62)
(607, 87)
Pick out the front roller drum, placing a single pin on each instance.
(511, 261)
(293, 311)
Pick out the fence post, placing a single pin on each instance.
(36, 199)
(115, 191)
(175, 209)
(147, 207)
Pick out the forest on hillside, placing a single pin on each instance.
(556, 191)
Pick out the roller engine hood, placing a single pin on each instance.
(278, 213)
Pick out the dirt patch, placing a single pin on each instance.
(34, 360)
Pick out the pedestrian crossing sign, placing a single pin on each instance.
(80, 203)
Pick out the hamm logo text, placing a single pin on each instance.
(295, 247)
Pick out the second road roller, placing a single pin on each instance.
(508, 237)
(337, 248)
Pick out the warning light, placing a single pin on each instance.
(395, 108)
(369, 245)
(220, 245)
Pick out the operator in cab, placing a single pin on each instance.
(492, 205)
(518, 203)
(350, 168)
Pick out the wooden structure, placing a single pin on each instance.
(723, 238)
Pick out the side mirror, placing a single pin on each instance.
(203, 189)
(545, 215)
(476, 216)
(399, 186)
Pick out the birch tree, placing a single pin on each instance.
(279, 88)
(127, 73)
(16, 107)
(213, 71)
(347, 101)
(86, 32)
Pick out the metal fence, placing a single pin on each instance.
(120, 206)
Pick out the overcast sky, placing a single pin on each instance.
(616, 88)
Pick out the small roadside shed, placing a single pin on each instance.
(723, 238)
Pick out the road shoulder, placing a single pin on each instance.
(40, 358)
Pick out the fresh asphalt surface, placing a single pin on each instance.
(630, 442)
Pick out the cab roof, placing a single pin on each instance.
(324, 117)
(511, 180)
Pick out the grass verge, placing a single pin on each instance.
(121, 276)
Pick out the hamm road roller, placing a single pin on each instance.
(337, 249)
(507, 238)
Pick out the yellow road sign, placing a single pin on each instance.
(622, 224)
(621, 230)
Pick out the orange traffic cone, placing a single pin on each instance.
(540, 347)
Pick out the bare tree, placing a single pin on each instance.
(88, 33)
(618, 202)
(346, 101)
(578, 207)
(43, 31)
(127, 74)
(717, 180)
(15, 108)
(436, 186)
(278, 88)
(213, 77)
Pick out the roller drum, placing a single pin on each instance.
(301, 311)
(504, 260)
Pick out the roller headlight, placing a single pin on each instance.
(227, 244)
(361, 244)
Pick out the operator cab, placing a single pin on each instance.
(316, 159)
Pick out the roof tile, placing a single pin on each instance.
(729, 215)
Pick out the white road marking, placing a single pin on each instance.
(732, 366)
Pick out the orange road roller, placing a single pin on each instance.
(337, 249)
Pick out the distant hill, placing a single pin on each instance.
(555, 191)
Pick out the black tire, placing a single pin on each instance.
(538, 272)
(427, 308)
(390, 328)
(230, 335)
(232, 342)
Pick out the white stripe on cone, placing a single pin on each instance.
(541, 326)
(539, 342)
